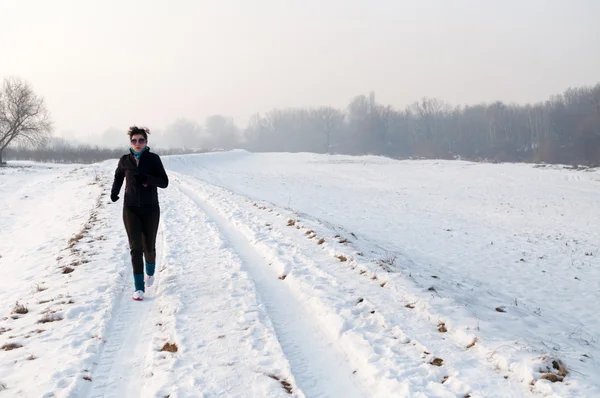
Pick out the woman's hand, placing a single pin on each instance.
(140, 178)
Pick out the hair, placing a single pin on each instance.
(133, 130)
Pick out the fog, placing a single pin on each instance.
(212, 74)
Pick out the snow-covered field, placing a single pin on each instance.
(304, 275)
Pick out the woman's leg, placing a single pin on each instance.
(133, 226)
(149, 231)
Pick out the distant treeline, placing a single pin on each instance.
(82, 154)
(564, 129)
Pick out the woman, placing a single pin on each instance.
(144, 173)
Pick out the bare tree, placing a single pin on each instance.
(222, 131)
(186, 134)
(328, 120)
(24, 118)
(385, 117)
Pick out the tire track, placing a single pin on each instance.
(386, 329)
(318, 365)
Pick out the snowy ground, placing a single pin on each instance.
(304, 275)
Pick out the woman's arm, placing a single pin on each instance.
(160, 179)
(117, 182)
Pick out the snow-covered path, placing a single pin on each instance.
(208, 308)
(386, 358)
(319, 367)
(323, 290)
(122, 361)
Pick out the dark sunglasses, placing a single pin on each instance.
(135, 141)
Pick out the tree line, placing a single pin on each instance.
(564, 129)
(58, 150)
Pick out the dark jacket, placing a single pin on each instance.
(136, 193)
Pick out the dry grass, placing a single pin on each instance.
(388, 263)
(343, 240)
(437, 362)
(472, 343)
(291, 223)
(286, 386)
(170, 347)
(20, 309)
(309, 232)
(341, 257)
(442, 327)
(4, 330)
(74, 240)
(50, 318)
(321, 241)
(10, 346)
(282, 277)
(39, 288)
(551, 377)
(67, 270)
(78, 262)
(87, 378)
(555, 374)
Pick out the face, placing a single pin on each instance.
(138, 142)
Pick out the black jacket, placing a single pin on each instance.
(137, 194)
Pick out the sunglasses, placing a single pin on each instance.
(135, 141)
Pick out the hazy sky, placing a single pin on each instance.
(113, 63)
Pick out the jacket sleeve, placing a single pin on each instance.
(118, 180)
(159, 178)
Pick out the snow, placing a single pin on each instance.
(304, 275)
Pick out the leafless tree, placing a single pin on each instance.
(222, 132)
(24, 118)
(328, 120)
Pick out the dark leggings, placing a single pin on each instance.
(141, 224)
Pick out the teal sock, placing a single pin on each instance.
(138, 280)
(150, 269)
